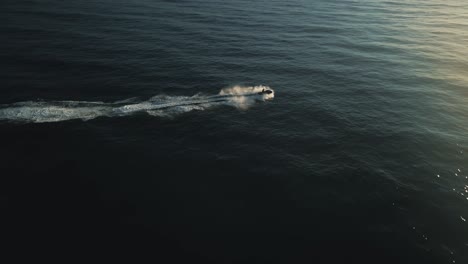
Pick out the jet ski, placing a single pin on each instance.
(267, 91)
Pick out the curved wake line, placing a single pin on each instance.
(161, 105)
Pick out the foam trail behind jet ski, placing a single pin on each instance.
(161, 105)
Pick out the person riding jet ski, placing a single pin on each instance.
(265, 92)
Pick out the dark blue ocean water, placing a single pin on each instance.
(360, 157)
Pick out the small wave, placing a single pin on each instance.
(160, 105)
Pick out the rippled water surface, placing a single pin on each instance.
(116, 140)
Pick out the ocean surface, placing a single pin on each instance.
(138, 130)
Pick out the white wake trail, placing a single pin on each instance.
(161, 105)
